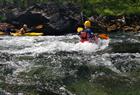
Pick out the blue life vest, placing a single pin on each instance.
(90, 32)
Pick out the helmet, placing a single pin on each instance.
(79, 29)
(25, 25)
(87, 23)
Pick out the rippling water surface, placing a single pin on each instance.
(60, 65)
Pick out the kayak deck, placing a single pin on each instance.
(27, 34)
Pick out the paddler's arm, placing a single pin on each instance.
(21, 31)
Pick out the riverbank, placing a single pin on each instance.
(125, 23)
(53, 18)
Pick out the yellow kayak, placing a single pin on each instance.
(27, 34)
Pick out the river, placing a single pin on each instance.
(60, 65)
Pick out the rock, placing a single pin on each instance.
(129, 23)
(128, 28)
(137, 28)
(112, 27)
(4, 26)
(56, 19)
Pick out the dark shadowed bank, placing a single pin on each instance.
(55, 19)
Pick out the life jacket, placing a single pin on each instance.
(84, 36)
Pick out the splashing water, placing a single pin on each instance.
(21, 45)
(61, 64)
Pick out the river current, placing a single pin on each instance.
(60, 65)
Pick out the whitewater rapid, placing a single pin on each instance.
(47, 60)
(50, 44)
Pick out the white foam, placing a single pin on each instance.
(50, 44)
(86, 46)
(102, 44)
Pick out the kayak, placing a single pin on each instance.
(95, 39)
(103, 36)
(98, 43)
(27, 34)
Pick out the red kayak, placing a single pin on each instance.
(93, 39)
(85, 38)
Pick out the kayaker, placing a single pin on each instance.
(23, 30)
(87, 29)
